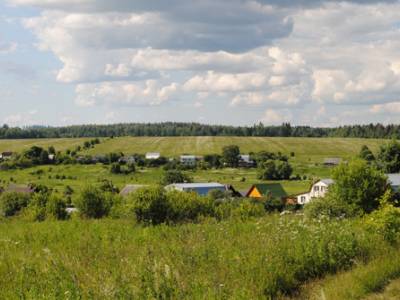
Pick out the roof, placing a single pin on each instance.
(13, 188)
(197, 185)
(327, 181)
(188, 156)
(332, 160)
(130, 188)
(276, 189)
(394, 179)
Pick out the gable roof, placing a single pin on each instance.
(394, 179)
(130, 188)
(276, 189)
(327, 181)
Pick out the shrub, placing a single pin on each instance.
(11, 203)
(187, 206)
(330, 207)
(150, 205)
(56, 208)
(175, 176)
(92, 203)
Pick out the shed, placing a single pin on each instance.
(153, 155)
(188, 160)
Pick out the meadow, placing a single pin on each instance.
(305, 149)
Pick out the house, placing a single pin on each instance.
(318, 190)
(153, 155)
(127, 159)
(245, 161)
(332, 161)
(394, 181)
(261, 190)
(130, 188)
(6, 155)
(188, 160)
(200, 188)
(51, 157)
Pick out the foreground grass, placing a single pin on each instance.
(109, 259)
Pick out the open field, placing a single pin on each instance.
(305, 149)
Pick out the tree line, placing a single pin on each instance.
(197, 129)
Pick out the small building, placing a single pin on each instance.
(245, 161)
(332, 161)
(6, 155)
(200, 188)
(188, 160)
(130, 188)
(262, 190)
(127, 159)
(394, 181)
(51, 157)
(153, 155)
(16, 188)
(318, 190)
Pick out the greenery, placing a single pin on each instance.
(230, 155)
(196, 129)
(175, 176)
(93, 203)
(275, 170)
(11, 203)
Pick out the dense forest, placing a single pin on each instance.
(196, 129)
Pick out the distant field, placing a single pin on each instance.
(313, 149)
(59, 144)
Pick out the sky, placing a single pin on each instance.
(236, 62)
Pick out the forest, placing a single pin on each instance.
(197, 129)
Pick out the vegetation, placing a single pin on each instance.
(195, 129)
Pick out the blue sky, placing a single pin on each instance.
(319, 63)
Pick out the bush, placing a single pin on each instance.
(187, 206)
(92, 203)
(11, 203)
(56, 208)
(150, 205)
(275, 170)
(175, 176)
(331, 208)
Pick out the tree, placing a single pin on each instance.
(115, 168)
(11, 203)
(389, 157)
(366, 154)
(230, 155)
(283, 170)
(175, 176)
(358, 184)
(267, 170)
(275, 170)
(52, 150)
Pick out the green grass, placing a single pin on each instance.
(306, 149)
(93, 174)
(59, 144)
(256, 259)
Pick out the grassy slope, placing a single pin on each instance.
(59, 144)
(305, 148)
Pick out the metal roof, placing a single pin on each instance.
(394, 179)
(197, 185)
(327, 181)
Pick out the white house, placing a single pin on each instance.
(188, 160)
(153, 155)
(245, 161)
(318, 190)
(200, 188)
(394, 181)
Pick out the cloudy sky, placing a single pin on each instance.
(309, 62)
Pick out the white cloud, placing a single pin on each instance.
(6, 48)
(273, 117)
(391, 108)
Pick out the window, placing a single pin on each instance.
(316, 188)
(303, 199)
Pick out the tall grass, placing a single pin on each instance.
(261, 258)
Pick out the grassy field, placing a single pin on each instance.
(305, 149)
(77, 176)
(107, 259)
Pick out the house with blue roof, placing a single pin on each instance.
(200, 188)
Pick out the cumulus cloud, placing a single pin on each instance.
(267, 53)
(6, 48)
